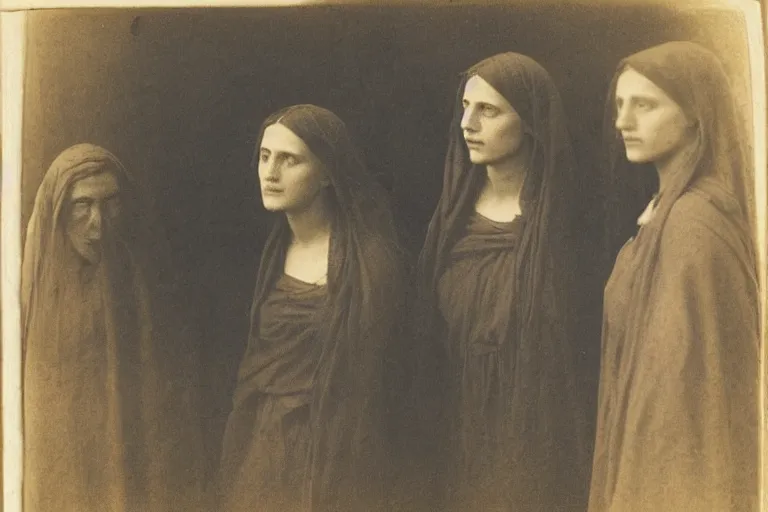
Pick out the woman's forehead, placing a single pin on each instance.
(631, 83)
(478, 90)
(280, 139)
(96, 186)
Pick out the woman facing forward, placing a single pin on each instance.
(678, 403)
(305, 433)
(496, 268)
(110, 409)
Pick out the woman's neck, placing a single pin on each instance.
(506, 178)
(500, 197)
(505, 182)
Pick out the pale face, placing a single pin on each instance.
(92, 202)
(290, 175)
(653, 126)
(493, 131)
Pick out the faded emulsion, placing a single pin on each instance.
(679, 380)
(156, 226)
(110, 417)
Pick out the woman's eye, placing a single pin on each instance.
(644, 105)
(80, 208)
(291, 160)
(490, 111)
(264, 157)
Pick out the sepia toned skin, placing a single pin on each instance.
(492, 128)
(291, 177)
(321, 307)
(109, 410)
(493, 304)
(293, 181)
(494, 135)
(93, 201)
(677, 423)
(654, 128)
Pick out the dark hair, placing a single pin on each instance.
(365, 281)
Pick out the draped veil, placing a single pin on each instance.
(680, 335)
(107, 372)
(361, 317)
(545, 426)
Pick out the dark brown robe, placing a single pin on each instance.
(268, 442)
(475, 303)
(496, 316)
(346, 464)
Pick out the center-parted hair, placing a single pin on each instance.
(362, 314)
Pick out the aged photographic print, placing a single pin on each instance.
(346, 256)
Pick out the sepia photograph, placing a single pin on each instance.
(385, 256)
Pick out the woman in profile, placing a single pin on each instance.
(305, 433)
(497, 272)
(678, 402)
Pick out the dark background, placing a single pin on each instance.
(179, 96)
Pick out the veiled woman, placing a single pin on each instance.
(306, 431)
(497, 271)
(109, 405)
(678, 402)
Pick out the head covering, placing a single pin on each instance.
(530, 90)
(102, 320)
(45, 244)
(689, 311)
(541, 392)
(362, 314)
(695, 79)
(716, 163)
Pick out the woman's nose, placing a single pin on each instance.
(624, 118)
(469, 120)
(95, 221)
(269, 170)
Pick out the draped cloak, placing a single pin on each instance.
(307, 430)
(474, 295)
(496, 307)
(109, 405)
(678, 401)
(269, 435)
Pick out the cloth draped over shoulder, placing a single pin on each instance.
(678, 401)
(541, 424)
(358, 315)
(109, 392)
(475, 300)
(268, 433)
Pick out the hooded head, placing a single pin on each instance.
(364, 292)
(541, 131)
(689, 114)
